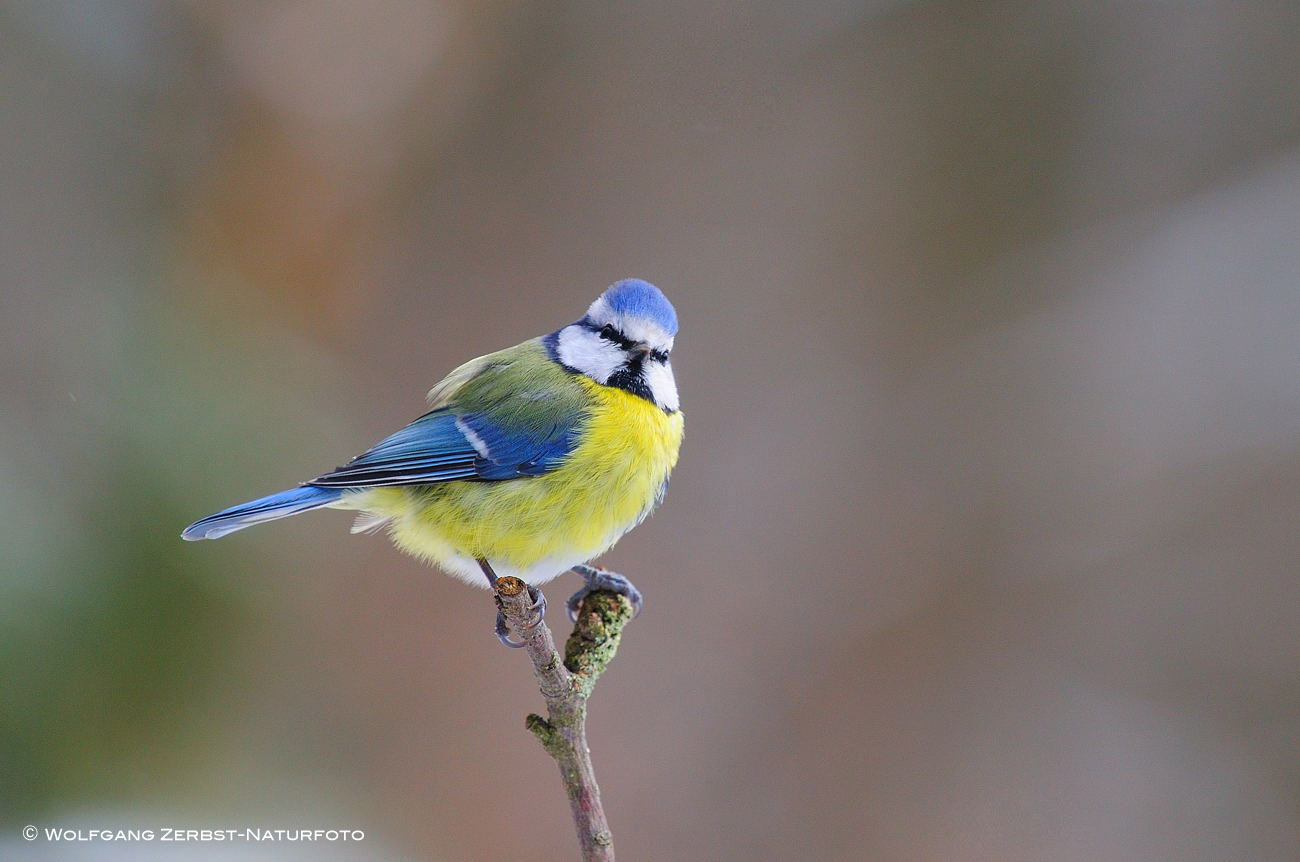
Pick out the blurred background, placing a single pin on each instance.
(983, 543)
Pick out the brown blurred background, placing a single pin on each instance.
(983, 543)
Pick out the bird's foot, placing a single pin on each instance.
(599, 579)
(538, 608)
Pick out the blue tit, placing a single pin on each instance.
(531, 461)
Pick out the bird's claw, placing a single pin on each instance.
(503, 631)
(599, 579)
(539, 613)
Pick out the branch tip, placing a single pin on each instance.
(510, 586)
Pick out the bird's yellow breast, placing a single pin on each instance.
(528, 526)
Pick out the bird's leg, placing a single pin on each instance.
(502, 630)
(599, 579)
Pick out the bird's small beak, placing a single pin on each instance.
(640, 349)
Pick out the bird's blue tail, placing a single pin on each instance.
(279, 505)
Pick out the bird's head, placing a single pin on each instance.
(624, 340)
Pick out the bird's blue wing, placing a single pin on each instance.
(430, 449)
(437, 447)
(518, 450)
(519, 416)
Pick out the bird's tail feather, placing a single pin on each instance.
(279, 505)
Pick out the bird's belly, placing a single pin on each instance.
(538, 527)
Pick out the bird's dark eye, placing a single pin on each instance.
(609, 332)
(659, 355)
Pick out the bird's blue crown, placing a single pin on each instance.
(633, 297)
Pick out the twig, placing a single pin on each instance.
(566, 685)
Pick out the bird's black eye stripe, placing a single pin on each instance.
(609, 333)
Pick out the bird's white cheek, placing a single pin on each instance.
(586, 351)
(659, 377)
(589, 353)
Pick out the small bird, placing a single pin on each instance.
(531, 462)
